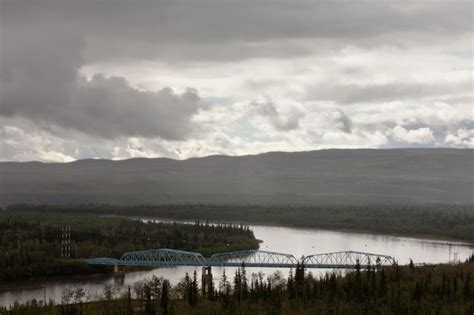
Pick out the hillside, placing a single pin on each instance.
(324, 177)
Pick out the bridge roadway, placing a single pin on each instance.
(166, 257)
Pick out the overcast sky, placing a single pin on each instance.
(119, 79)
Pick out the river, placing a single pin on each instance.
(294, 241)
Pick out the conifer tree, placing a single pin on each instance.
(194, 290)
(383, 283)
(165, 298)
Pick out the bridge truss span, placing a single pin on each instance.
(252, 258)
(166, 257)
(347, 259)
(162, 257)
(102, 261)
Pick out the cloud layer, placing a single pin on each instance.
(40, 80)
(86, 79)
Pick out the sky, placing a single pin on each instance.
(118, 79)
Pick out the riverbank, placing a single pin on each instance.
(434, 221)
(438, 221)
(434, 237)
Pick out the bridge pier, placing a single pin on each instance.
(206, 281)
(119, 270)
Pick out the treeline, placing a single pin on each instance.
(437, 289)
(30, 243)
(423, 220)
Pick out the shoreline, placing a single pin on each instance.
(436, 239)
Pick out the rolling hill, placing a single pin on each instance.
(315, 177)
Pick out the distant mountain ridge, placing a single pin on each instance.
(314, 177)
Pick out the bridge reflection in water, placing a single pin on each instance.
(166, 257)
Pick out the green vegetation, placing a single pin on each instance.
(30, 243)
(423, 220)
(438, 289)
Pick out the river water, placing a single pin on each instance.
(294, 241)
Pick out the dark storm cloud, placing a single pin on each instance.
(110, 107)
(40, 80)
(230, 30)
(166, 26)
(224, 29)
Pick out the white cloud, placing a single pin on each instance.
(53, 156)
(413, 136)
(462, 138)
(20, 144)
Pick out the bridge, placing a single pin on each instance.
(166, 257)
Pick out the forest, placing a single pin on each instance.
(443, 221)
(30, 243)
(432, 289)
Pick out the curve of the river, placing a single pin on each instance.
(288, 240)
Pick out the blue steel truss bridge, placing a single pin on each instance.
(166, 257)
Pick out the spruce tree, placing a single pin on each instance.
(194, 290)
(165, 298)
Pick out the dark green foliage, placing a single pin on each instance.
(471, 259)
(391, 290)
(430, 220)
(30, 242)
(165, 297)
(129, 309)
(194, 290)
(149, 305)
